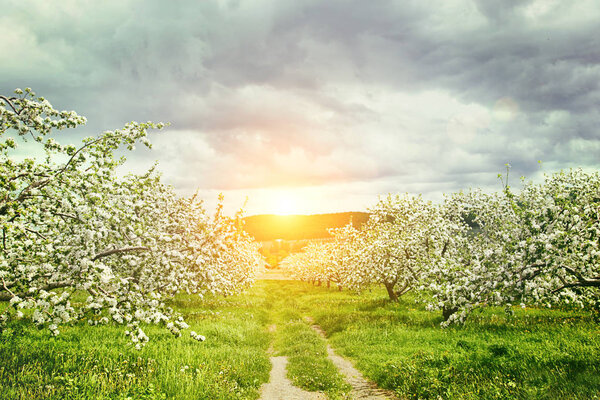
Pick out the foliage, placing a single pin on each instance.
(398, 245)
(325, 261)
(536, 247)
(539, 246)
(395, 247)
(308, 365)
(537, 353)
(70, 223)
(96, 363)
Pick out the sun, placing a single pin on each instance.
(285, 204)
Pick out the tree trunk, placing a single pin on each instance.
(448, 311)
(340, 288)
(328, 284)
(319, 282)
(390, 290)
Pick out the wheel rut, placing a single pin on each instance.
(279, 386)
(362, 389)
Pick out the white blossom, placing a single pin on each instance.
(71, 223)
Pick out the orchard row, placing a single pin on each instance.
(69, 222)
(538, 246)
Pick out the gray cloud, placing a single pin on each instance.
(353, 95)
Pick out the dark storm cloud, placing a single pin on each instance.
(413, 95)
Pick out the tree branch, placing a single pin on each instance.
(44, 182)
(10, 293)
(407, 288)
(586, 283)
(406, 264)
(121, 250)
(93, 142)
(582, 281)
(32, 185)
(573, 272)
(9, 102)
(57, 285)
(37, 233)
(67, 216)
(444, 249)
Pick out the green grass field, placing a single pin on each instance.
(97, 363)
(536, 354)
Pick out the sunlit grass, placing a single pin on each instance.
(308, 365)
(97, 362)
(536, 354)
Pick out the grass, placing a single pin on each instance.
(84, 362)
(536, 354)
(308, 365)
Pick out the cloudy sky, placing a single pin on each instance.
(317, 106)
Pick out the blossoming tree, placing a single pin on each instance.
(310, 264)
(70, 224)
(403, 236)
(539, 246)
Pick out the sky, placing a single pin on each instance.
(321, 106)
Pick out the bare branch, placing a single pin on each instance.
(445, 248)
(405, 289)
(573, 272)
(31, 186)
(93, 142)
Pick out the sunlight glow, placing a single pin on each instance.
(285, 203)
(291, 200)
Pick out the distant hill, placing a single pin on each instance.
(298, 227)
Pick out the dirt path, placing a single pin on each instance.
(362, 389)
(279, 386)
(275, 274)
